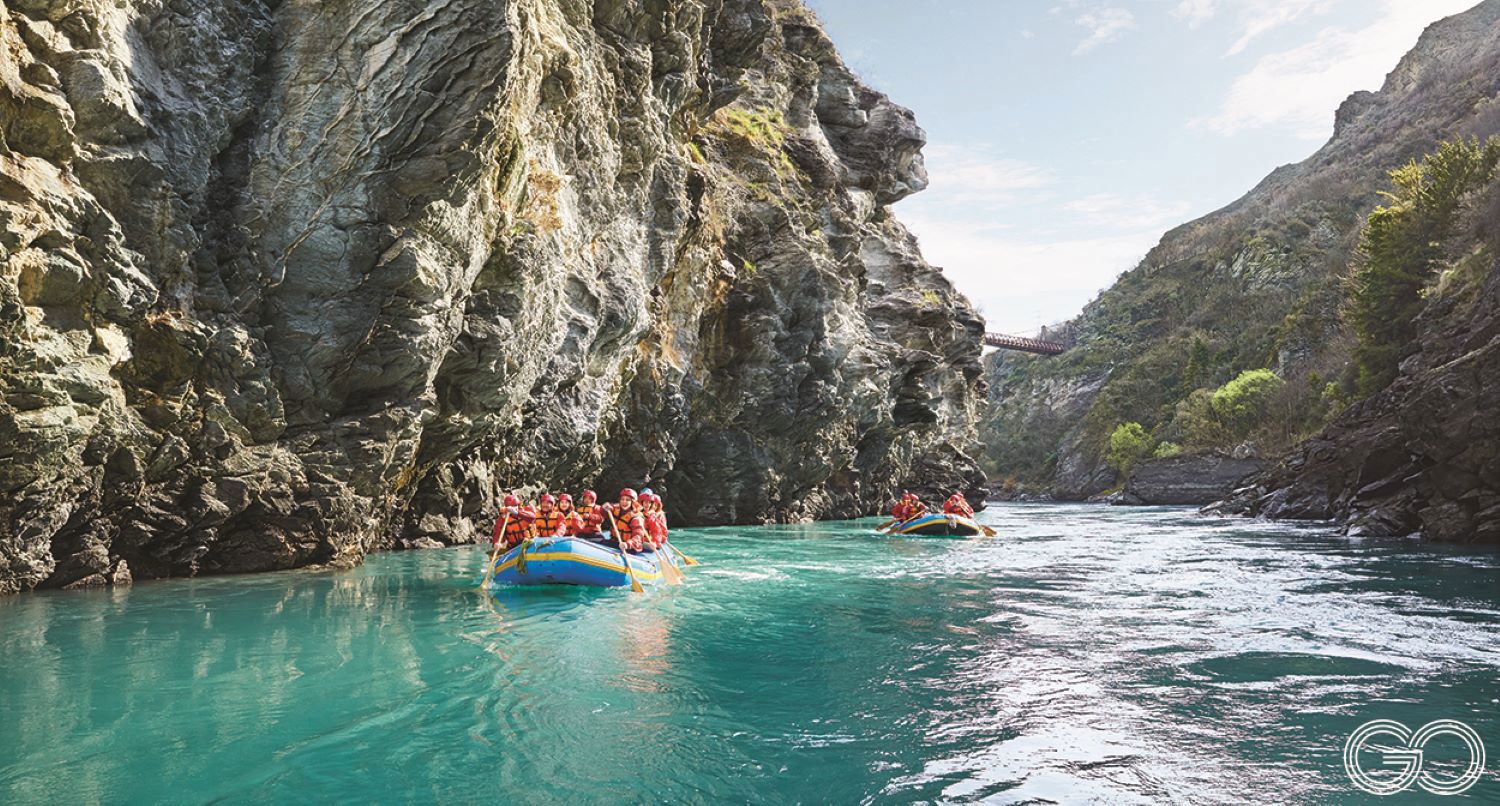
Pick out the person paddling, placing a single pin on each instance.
(518, 521)
(958, 505)
(655, 517)
(908, 507)
(626, 522)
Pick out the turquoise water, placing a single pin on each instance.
(1089, 654)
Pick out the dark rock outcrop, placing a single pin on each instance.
(1183, 480)
(282, 283)
(1423, 456)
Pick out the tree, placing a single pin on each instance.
(1244, 401)
(1401, 246)
(1127, 445)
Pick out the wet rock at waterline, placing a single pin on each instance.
(1181, 480)
(282, 285)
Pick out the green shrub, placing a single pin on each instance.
(1198, 424)
(1128, 444)
(1243, 402)
(1166, 450)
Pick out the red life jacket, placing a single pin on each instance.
(547, 522)
(590, 519)
(629, 527)
(522, 526)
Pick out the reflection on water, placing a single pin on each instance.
(1088, 653)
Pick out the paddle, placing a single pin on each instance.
(635, 584)
(685, 558)
(489, 571)
(888, 524)
(671, 573)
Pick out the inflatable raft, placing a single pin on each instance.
(937, 525)
(571, 561)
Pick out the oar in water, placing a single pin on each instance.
(685, 558)
(890, 527)
(614, 528)
(888, 524)
(669, 572)
(489, 571)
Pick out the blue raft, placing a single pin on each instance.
(936, 524)
(571, 561)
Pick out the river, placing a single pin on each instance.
(1086, 654)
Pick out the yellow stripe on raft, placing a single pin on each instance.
(562, 556)
(951, 524)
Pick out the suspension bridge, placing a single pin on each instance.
(1023, 344)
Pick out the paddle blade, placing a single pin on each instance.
(675, 574)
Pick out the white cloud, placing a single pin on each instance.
(976, 175)
(1020, 284)
(1261, 16)
(1104, 25)
(1299, 88)
(1028, 34)
(1115, 212)
(1196, 12)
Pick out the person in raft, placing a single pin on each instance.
(908, 507)
(566, 515)
(656, 518)
(627, 522)
(587, 521)
(519, 524)
(548, 517)
(958, 505)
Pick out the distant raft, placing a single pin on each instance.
(572, 561)
(937, 525)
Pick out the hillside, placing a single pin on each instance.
(1262, 284)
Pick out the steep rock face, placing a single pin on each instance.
(1257, 284)
(284, 283)
(1423, 456)
(1180, 480)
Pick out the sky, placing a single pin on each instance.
(1066, 136)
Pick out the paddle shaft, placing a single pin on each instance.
(685, 558)
(489, 571)
(614, 527)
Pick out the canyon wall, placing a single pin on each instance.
(282, 283)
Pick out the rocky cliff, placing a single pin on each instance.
(1423, 455)
(1259, 284)
(286, 282)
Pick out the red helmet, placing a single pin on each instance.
(647, 498)
(548, 499)
(590, 495)
(627, 493)
(512, 501)
(565, 498)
